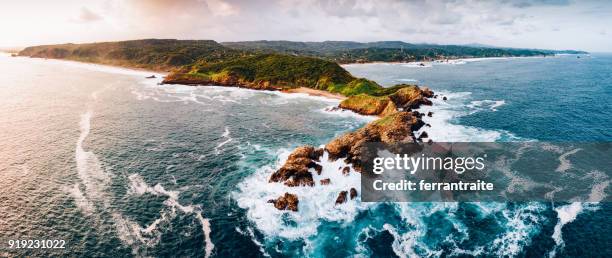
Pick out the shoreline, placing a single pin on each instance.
(442, 61)
(316, 93)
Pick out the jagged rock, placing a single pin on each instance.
(353, 193)
(318, 168)
(341, 197)
(286, 202)
(444, 98)
(429, 114)
(417, 114)
(426, 92)
(325, 181)
(295, 170)
(346, 171)
(395, 128)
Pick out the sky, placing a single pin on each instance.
(548, 24)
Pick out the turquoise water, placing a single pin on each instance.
(119, 166)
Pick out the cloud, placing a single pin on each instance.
(520, 23)
(87, 16)
(532, 3)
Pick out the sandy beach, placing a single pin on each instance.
(314, 92)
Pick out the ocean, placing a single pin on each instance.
(117, 165)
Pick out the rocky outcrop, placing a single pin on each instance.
(353, 193)
(286, 202)
(341, 197)
(346, 171)
(407, 98)
(295, 171)
(395, 128)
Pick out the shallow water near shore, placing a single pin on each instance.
(117, 165)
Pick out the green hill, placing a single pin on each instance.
(382, 51)
(278, 72)
(157, 54)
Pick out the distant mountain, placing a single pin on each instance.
(382, 51)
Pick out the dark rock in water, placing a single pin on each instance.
(286, 202)
(325, 181)
(430, 141)
(394, 128)
(353, 193)
(295, 170)
(417, 114)
(318, 168)
(346, 171)
(429, 114)
(341, 197)
(423, 135)
(151, 77)
(428, 125)
(435, 96)
(330, 109)
(444, 98)
(426, 92)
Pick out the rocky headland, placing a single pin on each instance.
(397, 124)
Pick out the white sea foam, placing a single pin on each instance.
(332, 110)
(96, 179)
(80, 200)
(492, 105)
(566, 214)
(564, 163)
(417, 64)
(249, 232)
(407, 80)
(443, 128)
(316, 204)
(522, 224)
(89, 168)
(228, 139)
(139, 187)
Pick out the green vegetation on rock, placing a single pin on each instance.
(403, 96)
(275, 69)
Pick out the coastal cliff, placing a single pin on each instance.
(397, 124)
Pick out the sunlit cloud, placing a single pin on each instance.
(521, 23)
